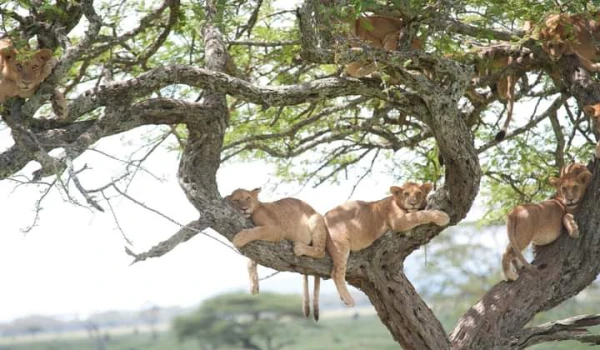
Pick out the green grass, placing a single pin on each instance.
(340, 333)
(366, 332)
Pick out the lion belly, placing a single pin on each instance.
(539, 223)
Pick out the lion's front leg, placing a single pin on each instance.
(260, 233)
(411, 220)
(59, 104)
(571, 225)
(253, 275)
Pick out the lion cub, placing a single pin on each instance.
(22, 73)
(594, 112)
(379, 32)
(356, 225)
(564, 34)
(287, 218)
(542, 223)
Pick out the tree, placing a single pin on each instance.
(232, 85)
(239, 319)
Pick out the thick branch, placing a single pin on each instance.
(573, 328)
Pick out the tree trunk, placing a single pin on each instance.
(408, 318)
(565, 267)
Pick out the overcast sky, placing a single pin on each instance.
(73, 262)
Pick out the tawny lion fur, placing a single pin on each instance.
(565, 34)
(22, 77)
(287, 218)
(593, 111)
(542, 223)
(379, 32)
(356, 225)
(492, 60)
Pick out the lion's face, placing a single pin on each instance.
(572, 184)
(593, 111)
(555, 37)
(244, 201)
(26, 72)
(411, 196)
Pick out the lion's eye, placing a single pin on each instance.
(19, 67)
(35, 66)
(563, 189)
(406, 194)
(248, 198)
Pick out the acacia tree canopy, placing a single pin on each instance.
(249, 80)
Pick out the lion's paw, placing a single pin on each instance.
(238, 241)
(299, 249)
(441, 218)
(511, 275)
(571, 226)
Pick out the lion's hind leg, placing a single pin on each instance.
(318, 233)
(339, 252)
(508, 267)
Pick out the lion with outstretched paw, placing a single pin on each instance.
(564, 34)
(380, 32)
(356, 225)
(542, 223)
(287, 218)
(21, 73)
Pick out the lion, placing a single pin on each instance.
(22, 73)
(593, 111)
(495, 58)
(564, 34)
(356, 225)
(287, 218)
(541, 223)
(380, 32)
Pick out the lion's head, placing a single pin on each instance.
(556, 36)
(411, 196)
(25, 69)
(244, 200)
(572, 183)
(593, 111)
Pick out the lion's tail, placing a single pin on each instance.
(511, 229)
(316, 291)
(306, 297)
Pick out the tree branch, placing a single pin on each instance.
(573, 328)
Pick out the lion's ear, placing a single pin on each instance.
(554, 181)
(8, 53)
(585, 178)
(590, 110)
(227, 198)
(255, 192)
(43, 54)
(427, 187)
(395, 190)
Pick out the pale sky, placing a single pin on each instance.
(74, 262)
